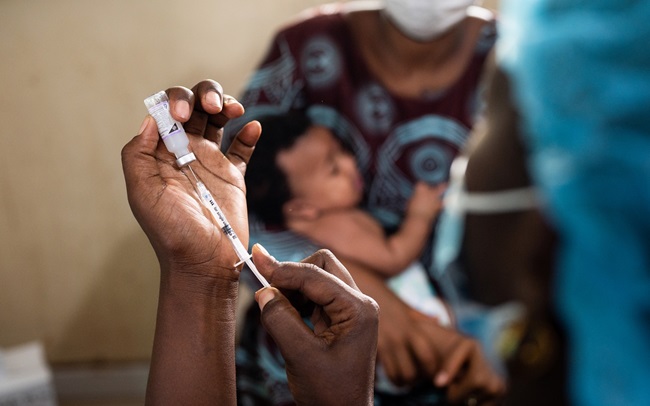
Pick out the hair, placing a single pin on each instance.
(267, 189)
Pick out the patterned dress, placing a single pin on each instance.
(314, 65)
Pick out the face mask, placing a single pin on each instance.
(423, 20)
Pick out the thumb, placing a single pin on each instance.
(280, 319)
(284, 324)
(138, 155)
(147, 139)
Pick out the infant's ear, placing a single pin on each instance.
(299, 209)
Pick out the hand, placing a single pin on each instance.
(195, 326)
(334, 363)
(413, 346)
(426, 200)
(464, 371)
(451, 360)
(162, 198)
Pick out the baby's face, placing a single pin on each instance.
(320, 171)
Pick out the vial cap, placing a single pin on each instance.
(185, 159)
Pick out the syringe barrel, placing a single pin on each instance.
(170, 130)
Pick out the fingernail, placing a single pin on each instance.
(261, 249)
(263, 296)
(182, 109)
(213, 99)
(441, 379)
(144, 124)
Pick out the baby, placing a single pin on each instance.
(303, 179)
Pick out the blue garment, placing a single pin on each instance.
(581, 72)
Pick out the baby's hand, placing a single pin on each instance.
(426, 201)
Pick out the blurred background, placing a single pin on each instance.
(76, 272)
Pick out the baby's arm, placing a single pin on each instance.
(407, 243)
(355, 235)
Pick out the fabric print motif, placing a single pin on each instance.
(420, 150)
(321, 62)
(275, 81)
(375, 109)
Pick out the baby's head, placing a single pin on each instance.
(299, 169)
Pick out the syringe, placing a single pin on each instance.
(177, 142)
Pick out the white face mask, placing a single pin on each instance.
(423, 20)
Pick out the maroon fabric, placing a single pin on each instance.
(315, 65)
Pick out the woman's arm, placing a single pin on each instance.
(413, 346)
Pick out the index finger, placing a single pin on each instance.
(326, 260)
(206, 97)
(321, 287)
(456, 359)
(181, 102)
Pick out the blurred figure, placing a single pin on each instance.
(580, 73)
(397, 81)
(496, 243)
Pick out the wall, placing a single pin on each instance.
(75, 270)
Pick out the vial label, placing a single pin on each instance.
(167, 126)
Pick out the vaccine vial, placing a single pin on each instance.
(170, 130)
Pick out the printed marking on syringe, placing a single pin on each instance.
(225, 226)
(229, 232)
(242, 253)
(221, 219)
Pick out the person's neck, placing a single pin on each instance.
(406, 67)
(406, 53)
